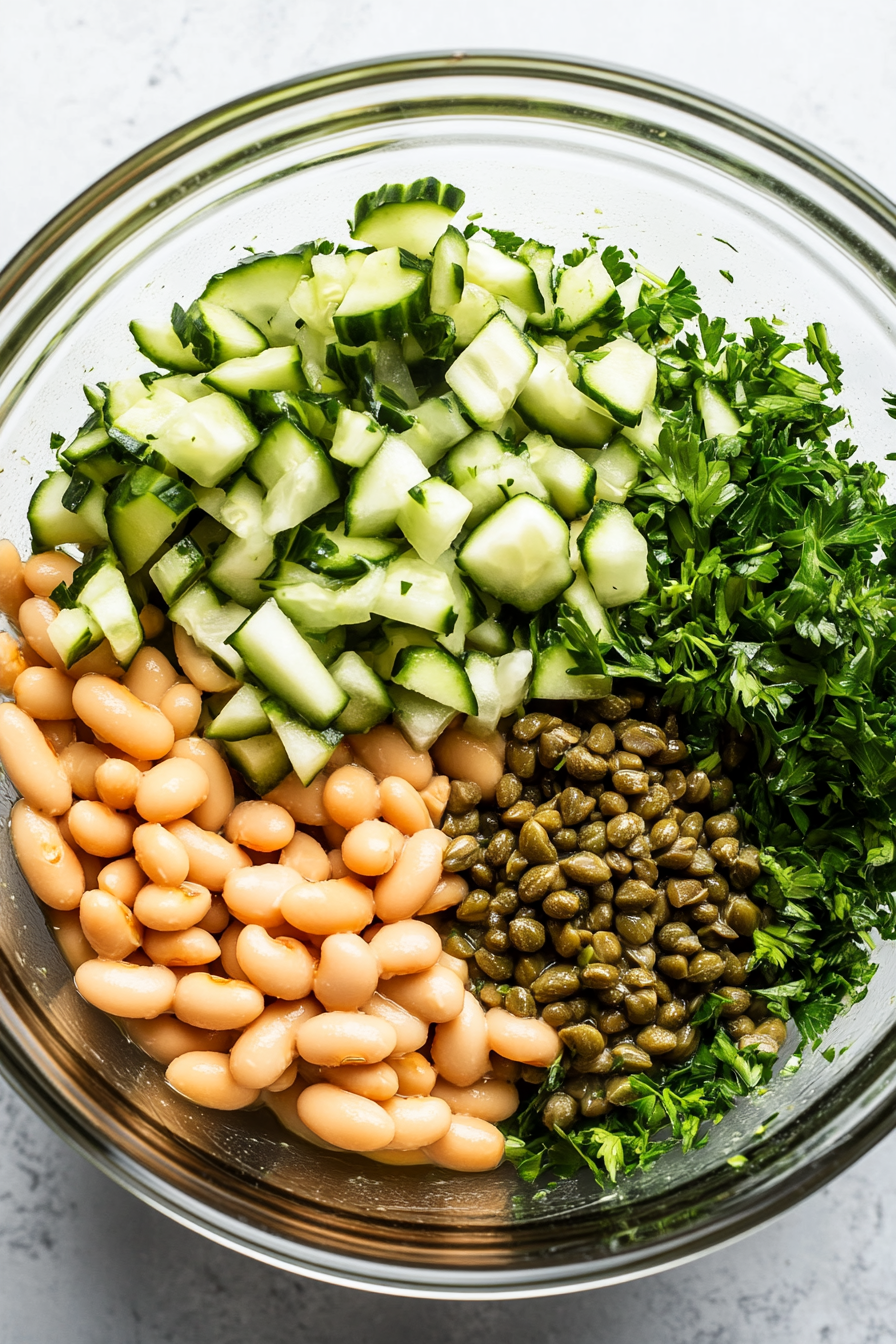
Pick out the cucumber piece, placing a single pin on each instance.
(417, 594)
(242, 717)
(278, 369)
(209, 623)
(259, 289)
(333, 553)
(503, 275)
(318, 608)
(357, 437)
(616, 471)
(413, 217)
(90, 439)
(187, 385)
(278, 657)
(395, 637)
(159, 342)
(179, 567)
(420, 719)
(438, 676)
(295, 472)
(541, 259)
(238, 565)
(718, 417)
(208, 534)
(74, 633)
(482, 672)
(307, 749)
(432, 516)
(385, 300)
(327, 647)
(449, 262)
(622, 377)
(520, 554)
(379, 489)
(614, 554)
(208, 439)
(475, 307)
(101, 467)
(580, 597)
(316, 298)
(120, 396)
(551, 402)
(490, 637)
(567, 477)
(241, 508)
(438, 425)
(216, 333)
(105, 596)
(490, 374)
(582, 291)
(142, 511)
(552, 679)
(467, 605)
(487, 475)
(262, 761)
(145, 420)
(52, 524)
(513, 672)
(369, 702)
(646, 433)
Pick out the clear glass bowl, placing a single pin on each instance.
(553, 148)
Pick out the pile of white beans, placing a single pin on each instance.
(278, 950)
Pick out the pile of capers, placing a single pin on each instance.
(609, 895)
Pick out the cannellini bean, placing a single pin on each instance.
(261, 826)
(281, 967)
(199, 667)
(65, 926)
(342, 905)
(385, 751)
(268, 1046)
(378, 1082)
(344, 1119)
(123, 879)
(44, 693)
(334, 835)
(171, 908)
(12, 662)
(50, 865)
(171, 790)
(205, 1077)
(457, 965)
(347, 973)
(412, 880)
(528, 1040)
(184, 947)
(481, 759)
(125, 989)
(100, 830)
(109, 926)
(419, 1121)
(338, 866)
(34, 618)
(164, 1038)
(59, 733)
(351, 796)
(152, 619)
(410, 1032)
(416, 1076)
(227, 947)
(161, 855)
(117, 781)
(434, 995)
(307, 857)
(182, 706)
(405, 948)
(471, 1144)
(371, 848)
(211, 857)
(460, 1048)
(255, 895)
(13, 588)
(216, 1003)
(217, 919)
(303, 803)
(448, 892)
(150, 675)
(285, 1081)
(403, 806)
(80, 761)
(117, 716)
(46, 570)
(212, 814)
(489, 1099)
(31, 763)
(91, 866)
(345, 1038)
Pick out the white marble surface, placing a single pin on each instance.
(84, 83)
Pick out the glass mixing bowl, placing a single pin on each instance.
(553, 148)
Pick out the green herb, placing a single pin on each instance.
(505, 240)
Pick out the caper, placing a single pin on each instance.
(675, 784)
(496, 965)
(500, 848)
(456, 945)
(725, 824)
(601, 740)
(521, 759)
(527, 935)
(505, 900)
(623, 829)
(656, 1040)
(520, 1002)
(461, 854)
(515, 866)
(697, 787)
(601, 915)
(584, 764)
(473, 907)
(687, 1038)
(575, 806)
(536, 882)
(519, 812)
(746, 868)
(704, 967)
(671, 1015)
(508, 791)
(679, 854)
(632, 1058)
(611, 1021)
(482, 874)
(560, 1110)
(562, 904)
(636, 929)
(644, 739)
(612, 804)
(617, 862)
(739, 1027)
(634, 895)
(612, 707)
(593, 837)
(624, 760)
(533, 725)
(674, 965)
(528, 968)
(463, 795)
(597, 975)
(738, 1001)
(674, 751)
(565, 840)
(558, 982)
(583, 1040)
(535, 844)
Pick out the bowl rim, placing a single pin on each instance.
(873, 1120)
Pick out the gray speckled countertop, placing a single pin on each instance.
(82, 85)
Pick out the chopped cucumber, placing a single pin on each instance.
(520, 554)
(503, 275)
(327, 647)
(278, 369)
(580, 597)
(379, 489)
(308, 750)
(217, 333)
(357, 437)
(541, 260)
(242, 717)
(209, 439)
(331, 552)
(718, 417)
(513, 672)
(385, 299)
(53, 524)
(553, 678)
(582, 291)
(417, 594)
(474, 308)
(568, 479)
(614, 553)
(483, 675)
(259, 289)
(622, 377)
(438, 676)
(159, 342)
(295, 472)
(432, 516)
(142, 511)
(420, 719)
(490, 637)
(616, 470)
(551, 402)
(482, 469)
(238, 565)
(320, 607)
(209, 623)
(74, 633)
(413, 217)
(369, 701)
(278, 657)
(262, 761)
(490, 374)
(438, 425)
(646, 433)
(394, 637)
(105, 596)
(449, 261)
